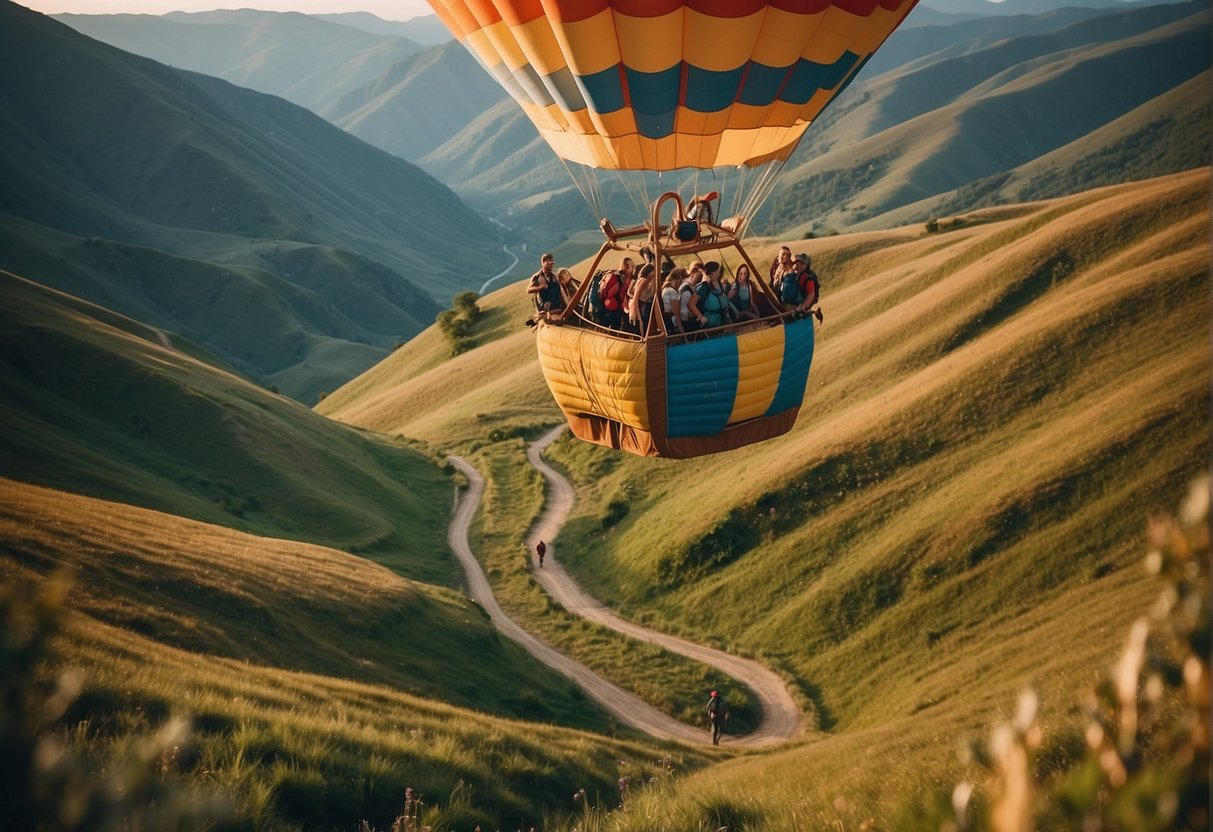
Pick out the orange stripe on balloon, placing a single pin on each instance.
(519, 12)
(572, 11)
(448, 19)
(485, 11)
(646, 8)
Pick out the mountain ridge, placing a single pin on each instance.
(108, 147)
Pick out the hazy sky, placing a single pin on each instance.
(387, 9)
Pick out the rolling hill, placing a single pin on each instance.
(306, 59)
(994, 411)
(200, 208)
(909, 119)
(934, 126)
(98, 404)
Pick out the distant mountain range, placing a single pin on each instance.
(290, 249)
(439, 109)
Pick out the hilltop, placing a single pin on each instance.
(288, 248)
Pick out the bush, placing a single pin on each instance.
(456, 322)
(44, 783)
(1144, 761)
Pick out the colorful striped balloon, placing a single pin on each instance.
(668, 84)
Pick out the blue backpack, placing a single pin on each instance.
(598, 309)
(789, 292)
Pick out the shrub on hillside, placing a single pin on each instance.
(1145, 764)
(44, 783)
(457, 321)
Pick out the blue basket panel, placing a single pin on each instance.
(701, 384)
(794, 372)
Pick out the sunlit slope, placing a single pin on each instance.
(992, 412)
(295, 606)
(421, 392)
(95, 403)
(318, 685)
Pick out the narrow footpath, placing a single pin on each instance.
(781, 719)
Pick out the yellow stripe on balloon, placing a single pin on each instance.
(703, 124)
(720, 43)
(484, 49)
(650, 44)
(539, 44)
(784, 35)
(842, 22)
(747, 116)
(759, 360)
(828, 43)
(507, 47)
(589, 45)
(874, 31)
(592, 374)
(548, 118)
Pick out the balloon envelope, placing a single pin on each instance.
(668, 84)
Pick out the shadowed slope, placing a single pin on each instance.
(294, 606)
(193, 204)
(95, 403)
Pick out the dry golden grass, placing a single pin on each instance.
(992, 412)
(277, 603)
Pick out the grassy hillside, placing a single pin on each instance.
(944, 121)
(418, 103)
(306, 59)
(318, 686)
(96, 403)
(214, 205)
(993, 412)
(212, 591)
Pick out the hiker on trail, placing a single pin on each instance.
(541, 549)
(718, 714)
(545, 286)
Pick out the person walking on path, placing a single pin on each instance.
(718, 714)
(541, 549)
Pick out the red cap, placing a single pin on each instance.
(713, 693)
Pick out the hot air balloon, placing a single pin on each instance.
(673, 86)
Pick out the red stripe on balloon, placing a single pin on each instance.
(647, 8)
(727, 8)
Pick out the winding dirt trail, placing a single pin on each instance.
(781, 720)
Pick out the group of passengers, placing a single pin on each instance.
(694, 298)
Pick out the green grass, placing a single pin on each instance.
(991, 417)
(292, 606)
(93, 404)
(295, 751)
(673, 684)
